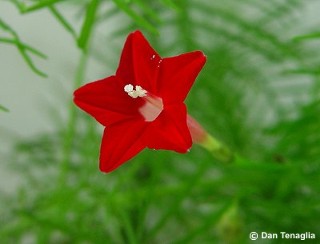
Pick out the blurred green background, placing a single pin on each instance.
(259, 93)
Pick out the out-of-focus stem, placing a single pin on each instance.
(84, 43)
(71, 123)
(199, 136)
(218, 149)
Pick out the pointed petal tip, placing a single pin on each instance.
(135, 34)
(76, 99)
(187, 147)
(80, 91)
(187, 150)
(75, 93)
(201, 59)
(201, 55)
(120, 143)
(108, 167)
(105, 169)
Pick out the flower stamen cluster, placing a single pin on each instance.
(138, 92)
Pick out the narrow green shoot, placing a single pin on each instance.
(22, 48)
(62, 21)
(88, 24)
(23, 8)
(313, 35)
(137, 18)
(25, 46)
(2, 108)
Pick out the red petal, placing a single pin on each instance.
(169, 131)
(107, 101)
(120, 143)
(139, 63)
(177, 75)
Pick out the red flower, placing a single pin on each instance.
(142, 105)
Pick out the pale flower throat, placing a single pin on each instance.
(153, 105)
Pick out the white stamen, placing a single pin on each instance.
(133, 94)
(138, 92)
(128, 88)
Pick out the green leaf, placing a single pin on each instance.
(23, 49)
(88, 24)
(170, 4)
(136, 17)
(63, 21)
(41, 4)
(2, 108)
(148, 10)
(313, 35)
(26, 47)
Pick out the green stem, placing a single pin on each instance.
(2, 108)
(219, 151)
(84, 39)
(200, 136)
(88, 24)
(72, 119)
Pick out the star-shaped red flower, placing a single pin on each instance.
(142, 105)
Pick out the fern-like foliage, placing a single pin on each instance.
(258, 93)
(24, 49)
(3, 108)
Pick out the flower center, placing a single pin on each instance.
(138, 92)
(153, 105)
